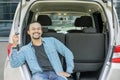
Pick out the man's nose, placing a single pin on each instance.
(36, 30)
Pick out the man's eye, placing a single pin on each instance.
(33, 29)
(39, 29)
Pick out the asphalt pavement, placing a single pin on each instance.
(3, 54)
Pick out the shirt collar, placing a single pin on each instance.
(32, 44)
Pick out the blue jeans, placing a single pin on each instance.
(48, 75)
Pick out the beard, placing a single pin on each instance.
(36, 36)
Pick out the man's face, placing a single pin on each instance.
(35, 31)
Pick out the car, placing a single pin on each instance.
(89, 28)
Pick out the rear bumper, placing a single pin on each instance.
(114, 73)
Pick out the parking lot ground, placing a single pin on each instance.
(3, 54)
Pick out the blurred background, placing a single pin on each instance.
(7, 10)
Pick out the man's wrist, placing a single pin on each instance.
(14, 47)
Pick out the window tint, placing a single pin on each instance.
(63, 19)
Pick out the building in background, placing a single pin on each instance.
(7, 10)
(117, 6)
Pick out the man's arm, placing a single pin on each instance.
(63, 50)
(16, 58)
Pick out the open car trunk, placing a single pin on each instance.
(81, 26)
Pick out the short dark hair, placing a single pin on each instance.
(32, 23)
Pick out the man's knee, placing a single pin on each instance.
(37, 77)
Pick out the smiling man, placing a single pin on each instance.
(41, 55)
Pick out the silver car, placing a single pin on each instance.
(90, 28)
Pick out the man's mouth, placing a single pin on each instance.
(36, 34)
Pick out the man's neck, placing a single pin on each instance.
(37, 42)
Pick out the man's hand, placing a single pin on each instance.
(15, 39)
(63, 74)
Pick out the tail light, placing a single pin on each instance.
(9, 48)
(116, 54)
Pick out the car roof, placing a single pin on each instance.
(24, 1)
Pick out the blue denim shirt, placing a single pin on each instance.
(52, 48)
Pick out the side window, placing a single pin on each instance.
(7, 10)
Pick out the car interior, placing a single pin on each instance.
(83, 29)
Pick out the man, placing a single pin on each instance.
(41, 55)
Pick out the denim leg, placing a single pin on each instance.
(54, 76)
(40, 76)
(60, 78)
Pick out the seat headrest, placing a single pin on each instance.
(45, 30)
(83, 21)
(44, 20)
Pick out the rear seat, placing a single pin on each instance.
(88, 49)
